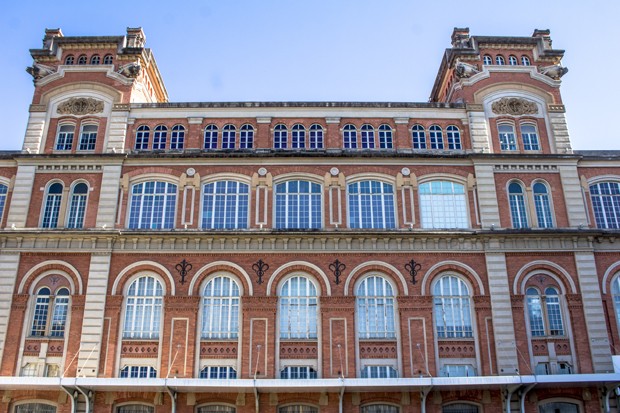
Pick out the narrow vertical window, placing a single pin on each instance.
(507, 141)
(220, 309)
(51, 208)
(298, 140)
(436, 137)
(487, 60)
(418, 137)
(512, 60)
(64, 140)
(298, 205)
(615, 291)
(225, 205)
(452, 308)
(499, 60)
(143, 135)
(82, 60)
(529, 137)
(280, 137)
(60, 310)
(606, 204)
(69, 60)
(4, 190)
(152, 205)
(454, 138)
(298, 309)
(77, 206)
(385, 137)
(542, 204)
(41, 313)
(368, 137)
(177, 138)
(316, 137)
(246, 137)
(349, 137)
(525, 61)
(375, 309)
(88, 138)
(143, 308)
(371, 205)
(50, 313)
(160, 136)
(516, 198)
(210, 137)
(229, 137)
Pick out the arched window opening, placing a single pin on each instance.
(298, 408)
(88, 137)
(143, 308)
(210, 137)
(50, 313)
(246, 137)
(385, 137)
(216, 408)
(82, 60)
(316, 137)
(452, 308)
(70, 60)
(152, 205)
(418, 137)
(545, 314)
(454, 138)
(558, 407)
(298, 304)
(436, 137)
(280, 137)
(375, 309)
(459, 408)
(298, 137)
(368, 137)
(380, 408)
(525, 61)
(499, 60)
(443, 205)
(349, 137)
(605, 198)
(542, 204)
(95, 59)
(229, 137)
(529, 137)
(177, 138)
(298, 205)
(108, 59)
(64, 140)
(4, 190)
(507, 141)
(516, 198)
(512, 60)
(220, 309)
(51, 209)
(143, 135)
(371, 205)
(77, 206)
(487, 60)
(135, 408)
(160, 136)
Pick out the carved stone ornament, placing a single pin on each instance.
(514, 106)
(465, 70)
(80, 106)
(39, 71)
(131, 70)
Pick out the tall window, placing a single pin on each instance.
(530, 137)
(316, 137)
(375, 309)
(368, 137)
(51, 209)
(218, 372)
(385, 137)
(152, 205)
(280, 137)
(349, 137)
(452, 308)
(606, 204)
(35, 408)
(298, 205)
(298, 372)
(507, 141)
(160, 136)
(443, 204)
(138, 372)
(210, 137)
(77, 206)
(64, 140)
(512, 60)
(225, 205)
(298, 309)
(143, 307)
(371, 205)
(544, 312)
(50, 313)
(542, 204)
(88, 137)
(615, 291)
(454, 138)
(246, 137)
(142, 138)
(3, 194)
(418, 137)
(436, 137)
(298, 140)
(516, 198)
(220, 309)
(229, 137)
(177, 138)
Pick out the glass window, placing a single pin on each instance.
(95, 59)
(51, 207)
(246, 137)
(298, 372)
(452, 308)
(216, 408)
(298, 309)
(3, 194)
(64, 140)
(457, 370)
(229, 137)
(525, 61)
(530, 137)
(211, 137)
(280, 137)
(30, 370)
(379, 408)
(507, 141)
(138, 372)
(69, 60)
(454, 138)
(615, 290)
(542, 204)
(152, 205)
(88, 137)
(436, 137)
(298, 408)
(487, 60)
(349, 136)
(368, 137)
(499, 60)
(443, 204)
(77, 206)
(379, 372)
(558, 407)
(177, 138)
(516, 198)
(35, 408)
(82, 60)
(459, 408)
(316, 137)
(512, 60)
(606, 204)
(225, 205)
(218, 372)
(418, 137)
(544, 312)
(299, 137)
(220, 309)
(50, 313)
(371, 205)
(142, 138)
(108, 59)
(375, 309)
(135, 408)
(298, 205)
(385, 137)
(159, 137)
(143, 308)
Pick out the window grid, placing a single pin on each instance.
(530, 138)
(298, 309)
(41, 310)
(499, 60)
(371, 205)
(486, 60)
(458, 370)
(136, 408)
(507, 141)
(525, 61)
(138, 372)
(454, 138)
(280, 137)
(349, 136)
(82, 60)
(64, 140)
(379, 372)
(436, 137)
(216, 408)
(512, 60)
(160, 136)
(298, 408)
(385, 137)
(69, 60)
(88, 138)
(443, 205)
(3, 194)
(375, 309)
(50, 313)
(368, 137)
(516, 198)
(379, 408)
(59, 313)
(452, 308)
(35, 408)
(298, 205)
(107, 59)
(298, 372)
(77, 206)
(220, 309)
(142, 138)
(152, 205)
(246, 137)
(143, 307)
(177, 137)
(95, 59)
(298, 138)
(606, 204)
(229, 137)
(52, 206)
(544, 312)
(210, 137)
(542, 204)
(316, 137)
(218, 372)
(418, 137)
(225, 205)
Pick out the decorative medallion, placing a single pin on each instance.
(190, 172)
(334, 171)
(80, 106)
(405, 171)
(514, 106)
(262, 171)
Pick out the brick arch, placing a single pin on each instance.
(214, 398)
(565, 281)
(465, 271)
(153, 170)
(143, 266)
(43, 269)
(223, 266)
(609, 276)
(391, 399)
(303, 267)
(383, 268)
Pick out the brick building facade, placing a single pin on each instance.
(450, 256)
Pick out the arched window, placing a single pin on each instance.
(77, 206)
(35, 408)
(379, 372)
(3, 194)
(246, 137)
(436, 137)
(160, 136)
(487, 60)
(218, 372)
(606, 204)
(50, 313)
(220, 309)
(443, 204)
(88, 137)
(545, 314)
(499, 60)
(558, 407)
(375, 309)
(280, 137)
(229, 137)
(454, 137)
(216, 408)
(542, 203)
(108, 59)
(368, 137)
(379, 408)
(152, 205)
(452, 308)
(349, 137)
(298, 309)
(459, 408)
(210, 137)
(177, 138)
(316, 137)
(529, 137)
(615, 290)
(507, 141)
(298, 408)
(516, 199)
(298, 372)
(371, 205)
(95, 59)
(82, 60)
(385, 137)
(51, 208)
(298, 205)
(512, 60)
(64, 139)
(138, 372)
(143, 135)
(418, 137)
(225, 205)
(525, 61)
(135, 408)
(298, 137)
(69, 60)
(143, 308)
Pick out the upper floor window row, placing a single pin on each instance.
(298, 137)
(433, 137)
(508, 139)
(95, 59)
(366, 137)
(501, 61)
(87, 138)
(229, 137)
(163, 138)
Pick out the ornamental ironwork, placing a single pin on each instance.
(183, 268)
(337, 268)
(260, 268)
(413, 267)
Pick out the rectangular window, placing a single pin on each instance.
(64, 140)
(88, 138)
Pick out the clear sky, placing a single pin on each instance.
(321, 50)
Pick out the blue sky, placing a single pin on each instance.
(362, 50)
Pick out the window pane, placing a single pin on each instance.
(298, 205)
(298, 309)
(225, 205)
(443, 204)
(375, 309)
(606, 204)
(152, 205)
(143, 307)
(371, 205)
(220, 309)
(452, 308)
